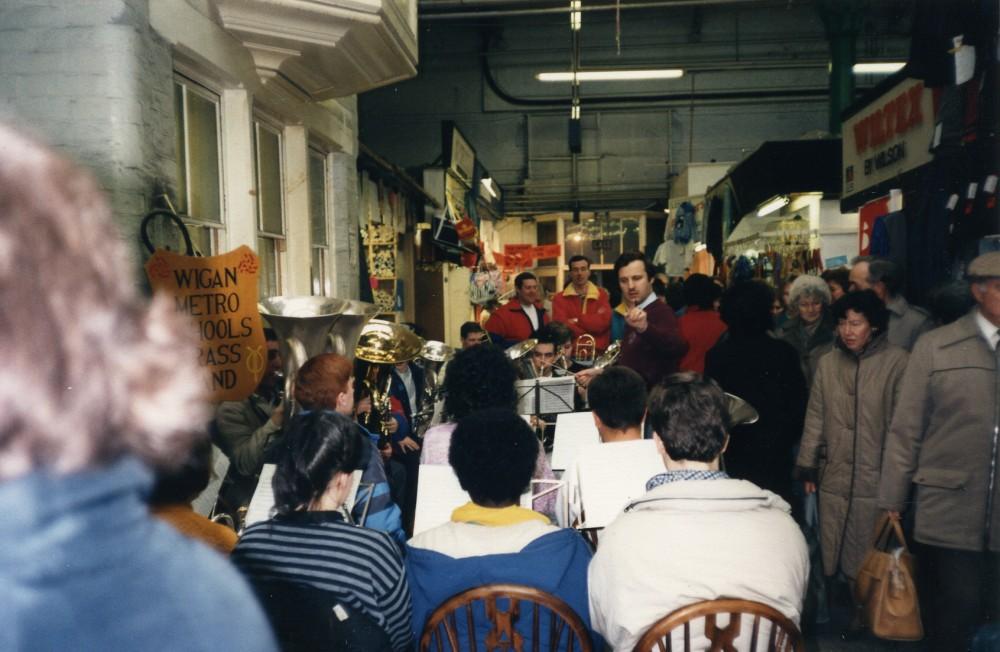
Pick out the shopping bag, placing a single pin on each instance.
(886, 589)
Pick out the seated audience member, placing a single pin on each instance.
(700, 325)
(618, 399)
(492, 539)
(696, 534)
(308, 543)
(479, 378)
(325, 382)
(174, 491)
(97, 390)
(246, 431)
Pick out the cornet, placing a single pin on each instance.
(585, 350)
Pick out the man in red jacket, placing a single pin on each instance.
(521, 317)
(583, 306)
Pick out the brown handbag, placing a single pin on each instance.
(886, 589)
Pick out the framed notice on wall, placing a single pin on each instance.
(219, 294)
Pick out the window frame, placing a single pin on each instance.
(279, 240)
(321, 276)
(218, 230)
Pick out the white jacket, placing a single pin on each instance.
(693, 540)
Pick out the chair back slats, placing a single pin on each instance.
(500, 616)
(782, 633)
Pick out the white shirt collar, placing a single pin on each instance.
(988, 330)
(648, 300)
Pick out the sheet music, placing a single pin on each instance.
(574, 430)
(439, 494)
(612, 475)
(205, 502)
(263, 497)
(555, 394)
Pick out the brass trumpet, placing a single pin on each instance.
(585, 350)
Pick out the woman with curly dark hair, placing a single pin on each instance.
(309, 548)
(766, 372)
(479, 378)
(491, 539)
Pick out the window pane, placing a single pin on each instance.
(202, 239)
(317, 198)
(269, 279)
(320, 284)
(269, 180)
(630, 235)
(181, 197)
(203, 157)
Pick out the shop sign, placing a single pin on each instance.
(219, 294)
(542, 252)
(518, 255)
(891, 136)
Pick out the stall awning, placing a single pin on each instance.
(783, 167)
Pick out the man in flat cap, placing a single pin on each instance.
(944, 440)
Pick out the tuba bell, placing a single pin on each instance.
(383, 344)
(309, 326)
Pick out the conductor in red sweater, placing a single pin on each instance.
(652, 344)
(583, 306)
(521, 317)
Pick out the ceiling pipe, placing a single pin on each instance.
(538, 11)
(563, 102)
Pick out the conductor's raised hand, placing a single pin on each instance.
(636, 318)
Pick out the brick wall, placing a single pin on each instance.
(94, 80)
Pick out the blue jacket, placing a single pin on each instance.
(383, 514)
(555, 563)
(84, 566)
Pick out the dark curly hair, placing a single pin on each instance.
(746, 308)
(493, 453)
(689, 414)
(864, 302)
(479, 378)
(318, 445)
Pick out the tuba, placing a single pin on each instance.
(309, 326)
(383, 344)
(434, 357)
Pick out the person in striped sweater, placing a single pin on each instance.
(308, 543)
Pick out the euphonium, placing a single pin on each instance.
(382, 344)
(585, 350)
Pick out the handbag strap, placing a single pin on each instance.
(885, 528)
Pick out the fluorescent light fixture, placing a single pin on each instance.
(574, 112)
(773, 204)
(610, 75)
(878, 68)
(488, 184)
(575, 15)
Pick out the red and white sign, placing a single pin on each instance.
(891, 136)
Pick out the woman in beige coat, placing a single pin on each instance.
(853, 396)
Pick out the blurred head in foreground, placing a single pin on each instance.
(92, 372)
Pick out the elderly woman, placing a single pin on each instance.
(810, 331)
(308, 544)
(853, 396)
(97, 390)
(479, 378)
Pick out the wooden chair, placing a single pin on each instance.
(782, 634)
(546, 616)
